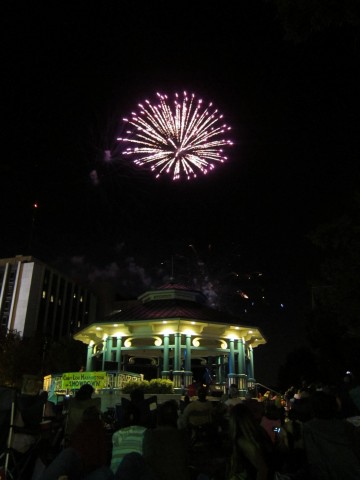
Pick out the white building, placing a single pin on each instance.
(35, 299)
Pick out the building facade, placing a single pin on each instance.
(35, 299)
(173, 330)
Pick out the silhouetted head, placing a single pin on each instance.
(324, 405)
(243, 424)
(131, 415)
(167, 413)
(85, 392)
(137, 395)
(201, 393)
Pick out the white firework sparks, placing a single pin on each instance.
(181, 139)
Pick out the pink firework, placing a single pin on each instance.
(180, 138)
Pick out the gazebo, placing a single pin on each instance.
(173, 329)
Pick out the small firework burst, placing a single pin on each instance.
(182, 137)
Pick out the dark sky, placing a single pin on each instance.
(73, 70)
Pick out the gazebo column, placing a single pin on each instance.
(118, 352)
(188, 376)
(231, 375)
(177, 373)
(108, 352)
(165, 372)
(104, 352)
(89, 357)
(219, 369)
(251, 379)
(241, 368)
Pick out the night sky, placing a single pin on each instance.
(73, 70)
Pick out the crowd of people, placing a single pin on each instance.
(309, 433)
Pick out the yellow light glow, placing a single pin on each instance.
(188, 332)
(167, 331)
(232, 337)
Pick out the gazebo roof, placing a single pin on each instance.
(167, 309)
(171, 308)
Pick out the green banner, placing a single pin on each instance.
(74, 380)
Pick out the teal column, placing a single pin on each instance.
(220, 377)
(103, 354)
(89, 357)
(188, 377)
(242, 386)
(251, 378)
(222, 371)
(219, 369)
(231, 374)
(118, 352)
(177, 351)
(165, 372)
(177, 373)
(108, 349)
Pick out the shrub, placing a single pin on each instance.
(154, 386)
(132, 385)
(159, 385)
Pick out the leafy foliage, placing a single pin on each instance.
(66, 355)
(300, 365)
(159, 385)
(333, 323)
(18, 357)
(154, 386)
(37, 356)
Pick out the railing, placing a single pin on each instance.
(271, 390)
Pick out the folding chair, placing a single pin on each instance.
(22, 434)
(76, 409)
(7, 414)
(201, 428)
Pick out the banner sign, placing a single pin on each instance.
(76, 379)
(124, 377)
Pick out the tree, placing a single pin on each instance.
(18, 357)
(65, 355)
(333, 323)
(34, 356)
(300, 365)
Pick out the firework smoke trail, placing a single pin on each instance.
(180, 139)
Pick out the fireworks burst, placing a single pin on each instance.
(180, 138)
